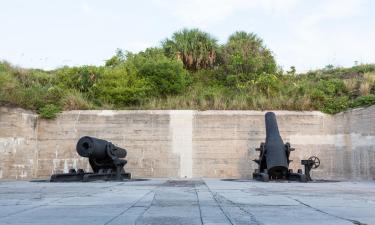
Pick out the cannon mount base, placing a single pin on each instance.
(81, 176)
(290, 176)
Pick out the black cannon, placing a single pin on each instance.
(273, 161)
(105, 160)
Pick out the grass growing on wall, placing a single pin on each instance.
(241, 74)
(328, 91)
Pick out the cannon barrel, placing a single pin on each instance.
(104, 158)
(276, 157)
(273, 161)
(95, 148)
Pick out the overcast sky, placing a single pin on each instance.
(307, 34)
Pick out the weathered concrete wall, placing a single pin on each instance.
(186, 143)
(18, 144)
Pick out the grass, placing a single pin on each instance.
(49, 92)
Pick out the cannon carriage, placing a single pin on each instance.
(273, 162)
(105, 158)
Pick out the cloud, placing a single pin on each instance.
(202, 12)
(137, 46)
(320, 34)
(331, 10)
(207, 12)
(312, 41)
(86, 8)
(306, 34)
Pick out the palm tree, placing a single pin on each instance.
(246, 53)
(196, 49)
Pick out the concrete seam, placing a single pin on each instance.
(199, 205)
(146, 208)
(243, 210)
(321, 211)
(124, 211)
(220, 206)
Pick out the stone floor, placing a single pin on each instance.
(187, 202)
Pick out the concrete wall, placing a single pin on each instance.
(191, 144)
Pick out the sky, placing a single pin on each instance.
(48, 34)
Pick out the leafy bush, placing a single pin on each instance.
(49, 111)
(245, 53)
(74, 100)
(335, 105)
(8, 87)
(122, 86)
(268, 84)
(33, 97)
(332, 87)
(79, 78)
(364, 101)
(29, 78)
(117, 59)
(166, 76)
(231, 80)
(318, 98)
(53, 95)
(206, 77)
(5, 66)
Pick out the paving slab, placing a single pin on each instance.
(190, 202)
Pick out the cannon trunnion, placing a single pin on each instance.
(273, 161)
(106, 161)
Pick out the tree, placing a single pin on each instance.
(122, 86)
(245, 53)
(167, 76)
(82, 78)
(292, 71)
(195, 48)
(115, 60)
(138, 76)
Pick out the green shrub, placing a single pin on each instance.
(49, 111)
(213, 97)
(167, 77)
(79, 78)
(362, 68)
(33, 97)
(335, 105)
(318, 98)
(29, 78)
(245, 53)
(363, 101)
(231, 80)
(8, 88)
(122, 86)
(5, 66)
(332, 87)
(74, 100)
(54, 95)
(268, 84)
(206, 77)
(117, 59)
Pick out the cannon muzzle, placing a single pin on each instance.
(91, 147)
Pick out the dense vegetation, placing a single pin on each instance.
(190, 70)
